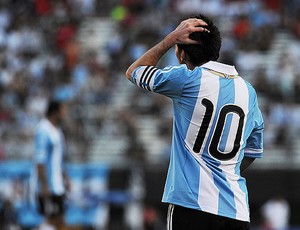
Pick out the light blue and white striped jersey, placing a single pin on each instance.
(216, 123)
(49, 150)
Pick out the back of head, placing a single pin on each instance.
(53, 108)
(209, 44)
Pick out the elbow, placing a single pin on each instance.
(128, 73)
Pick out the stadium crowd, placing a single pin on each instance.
(41, 58)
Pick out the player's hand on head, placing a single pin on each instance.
(186, 27)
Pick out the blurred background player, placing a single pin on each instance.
(217, 128)
(49, 158)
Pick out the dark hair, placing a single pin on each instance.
(53, 107)
(209, 44)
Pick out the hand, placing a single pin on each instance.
(185, 28)
(179, 36)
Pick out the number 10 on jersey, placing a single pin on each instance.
(217, 134)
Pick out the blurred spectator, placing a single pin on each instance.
(65, 32)
(242, 28)
(83, 7)
(44, 49)
(42, 7)
(296, 25)
(275, 214)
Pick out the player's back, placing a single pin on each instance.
(216, 123)
(213, 120)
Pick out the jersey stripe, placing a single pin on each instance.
(57, 178)
(225, 146)
(229, 168)
(197, 120)
(241, 196)
(53, 155)
(250, 150)
(149, 77)
(170, 217)
(144, 77)
(208, 191)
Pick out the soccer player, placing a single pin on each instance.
(217, 128)
(49, 159)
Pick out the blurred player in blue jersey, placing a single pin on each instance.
(49, 158)
(217, 128)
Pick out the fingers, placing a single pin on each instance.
(193, 22)
(200, 29)
(196, 22)
(195, 25)
(190, 42)
(182, 33)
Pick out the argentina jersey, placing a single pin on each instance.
(216, 123)
(49, 150)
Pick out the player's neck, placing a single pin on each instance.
(190, 65)
(53, 121)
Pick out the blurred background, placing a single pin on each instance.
(118, 136)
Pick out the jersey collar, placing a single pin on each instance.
(227, 71)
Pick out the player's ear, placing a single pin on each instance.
(184, 56)
(180, 54)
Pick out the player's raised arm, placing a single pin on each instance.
(178, 36)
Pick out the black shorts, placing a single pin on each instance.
(180, 218)
(51, 206)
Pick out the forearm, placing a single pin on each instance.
(180, 35)
(152, 56)
(247, 161)
(42, 176)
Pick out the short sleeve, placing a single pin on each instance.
(168, 81)
(254, 146)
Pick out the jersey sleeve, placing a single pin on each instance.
(168, 81)
(254, 146)
(41, 146)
